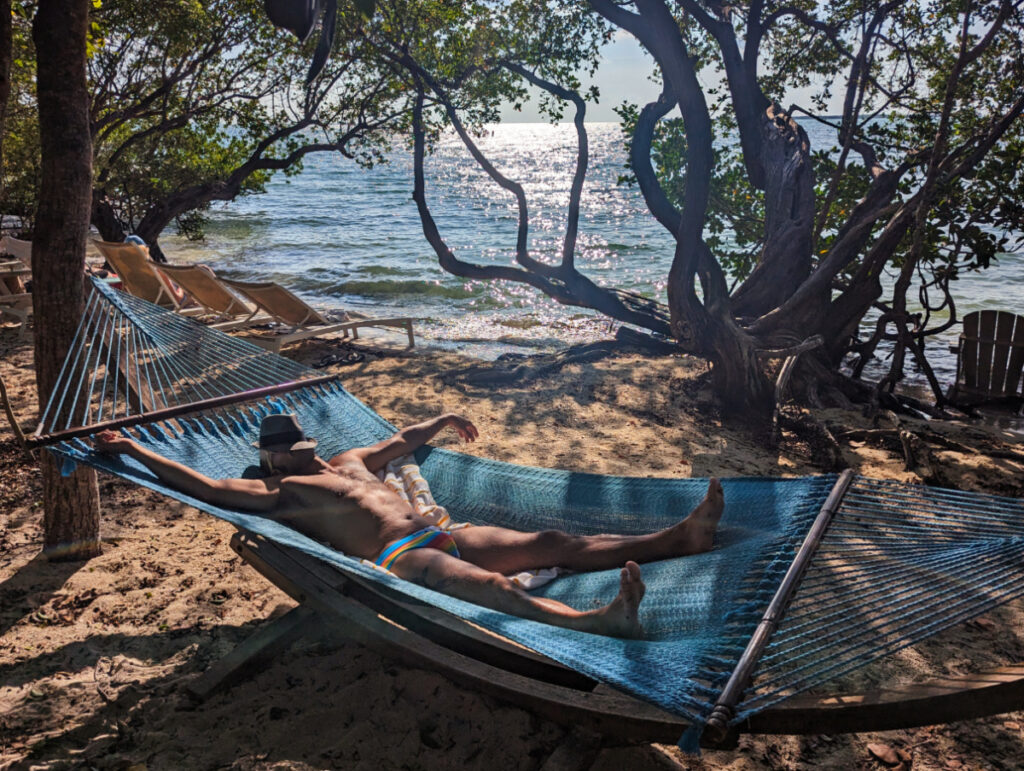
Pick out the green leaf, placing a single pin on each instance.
(366, 7)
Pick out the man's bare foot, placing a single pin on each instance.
(697, 531)
(621, 616)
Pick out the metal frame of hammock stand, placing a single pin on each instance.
(39, 439)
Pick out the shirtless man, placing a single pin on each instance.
(341, 502)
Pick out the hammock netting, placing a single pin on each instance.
(899, 562)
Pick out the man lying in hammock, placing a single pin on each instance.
(342, 502)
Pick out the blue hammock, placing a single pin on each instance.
(699, 611)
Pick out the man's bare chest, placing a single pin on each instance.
(355, 512)
(338, 490)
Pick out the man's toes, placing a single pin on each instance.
(715, 489)
(632, 583)
(631, 571)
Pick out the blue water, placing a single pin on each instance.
(347, 237)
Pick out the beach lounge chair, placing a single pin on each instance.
(305, 321)
(989, 359)
(203, 286)
(15, 301)
(139, 277)
(15, 269)
(813, 576)
(16, 247)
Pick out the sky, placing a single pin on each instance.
(624, 75)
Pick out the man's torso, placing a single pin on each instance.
(347, 507)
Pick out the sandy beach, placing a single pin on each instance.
(94, 655)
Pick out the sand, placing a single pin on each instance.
(93, 655)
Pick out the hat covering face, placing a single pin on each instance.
(282, 433)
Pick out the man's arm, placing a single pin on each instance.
(250, 494)
(408, 440)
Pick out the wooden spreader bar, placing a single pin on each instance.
(39, 439)
(725, 708)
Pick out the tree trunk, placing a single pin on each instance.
(105, 219)
(785, 260)
(6, 55)
(71, 504)
(744, 390)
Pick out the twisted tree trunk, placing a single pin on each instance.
(702, 326)
(785, 259)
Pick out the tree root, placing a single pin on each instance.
(629, 336)
(918, 458)
(824, 447)
(19, 435)
(908, 405)
(892, 439)
(524, 369)
(521, 371)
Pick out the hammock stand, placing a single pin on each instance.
(416, 634)
(134, 364)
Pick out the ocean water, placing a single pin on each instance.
(346, 237)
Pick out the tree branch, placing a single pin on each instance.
(582, 156)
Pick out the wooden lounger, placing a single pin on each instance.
(14, 300)
(424, 636)
(203, 285)
(17, 247)
(138, 276)
(305, 321)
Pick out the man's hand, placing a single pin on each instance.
(408, 440)
(463, 427)
(113, 442)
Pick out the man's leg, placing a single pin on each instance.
(509, 551)
(444, 573)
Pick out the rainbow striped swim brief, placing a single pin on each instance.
(428, 538)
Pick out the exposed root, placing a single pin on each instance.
(892, 439)
(917, 458)
(823, 445)
(513, 370)
(518, 371)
